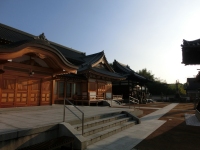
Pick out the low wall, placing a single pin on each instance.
(26, 137)
(197, 111)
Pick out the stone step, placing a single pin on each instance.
(101, 127)
(75, 122)
(108, 132)
(99, 121)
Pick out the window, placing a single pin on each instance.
(61, 86)
(22, 84)
(78, 88)
(101, 87)
(9, 84)
(71, 89)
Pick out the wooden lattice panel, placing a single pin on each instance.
(7, 97)
(46, 97)
(22, 97)
(35, 97)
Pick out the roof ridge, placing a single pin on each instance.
(121, 63)
(34, 36)
(95, 53)
(17, 30)
(67, 47)
(89, 62)
(125, 66)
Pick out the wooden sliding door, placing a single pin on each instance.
(46, 93)
(8, 84)
(34, 92)
(21, 92)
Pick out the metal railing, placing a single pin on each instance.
(131, 100)
(73, 113)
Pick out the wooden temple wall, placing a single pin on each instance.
(99, 89)
(69, 88)
(85, 89)
(20, 88)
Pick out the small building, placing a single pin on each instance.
(190, 56)
(93, 82)
(134, 85)
(192, 88)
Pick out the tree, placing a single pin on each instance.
(146, 74)
(159, 86)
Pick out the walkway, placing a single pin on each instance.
(12, 119)
(129, 138)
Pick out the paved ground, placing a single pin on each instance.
(28, 117)
(12, 119)
(175, 133)
(129, 138)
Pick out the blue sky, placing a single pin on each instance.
(143, 34)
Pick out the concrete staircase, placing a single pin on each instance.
(102, 126)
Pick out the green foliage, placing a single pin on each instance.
(146, 74)
(159, 86)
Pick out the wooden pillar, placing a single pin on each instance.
(65, 88)
(15, 92)
(1, 86)
(53, 88)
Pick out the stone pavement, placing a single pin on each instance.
(129, 138)
(14, 119)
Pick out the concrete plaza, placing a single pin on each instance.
(19, 118)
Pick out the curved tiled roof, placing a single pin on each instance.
(52, 56)
(108, 73)
(91, 60)
(128, 72)
(191, 43)
(191, 52)
(13, 35)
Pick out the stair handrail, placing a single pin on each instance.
(131, 99)
(73, 113)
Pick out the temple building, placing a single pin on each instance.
(134, 85)
(93, 83)
(28, 66)
(190, 56)
(35, 71)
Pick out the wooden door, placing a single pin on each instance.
(34, 92)
(46, 93)
(101, 89)
(8, 91)
(21, 92)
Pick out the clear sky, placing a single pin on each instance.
(143, 34)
